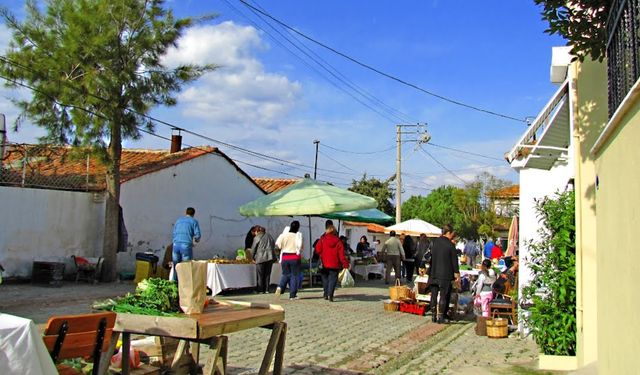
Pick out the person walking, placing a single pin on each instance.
(263, 250)
(393, 254)
(331, 250)
(186, 231)
(488, 246)
(443, 270)
(290, 245)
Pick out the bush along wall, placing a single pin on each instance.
(552, 293)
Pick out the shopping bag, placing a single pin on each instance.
(347, 279)
(341, 274)
(192, 286)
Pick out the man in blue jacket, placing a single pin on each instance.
(487, 248)
(186, 230)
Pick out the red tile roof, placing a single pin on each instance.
(512, 191)
(60, 166)
(373, 228)
(270, 185)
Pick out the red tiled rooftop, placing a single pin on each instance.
(512, 191)
(373, 228)
(270, 185)
(60, 163)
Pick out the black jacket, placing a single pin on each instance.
(444, 262)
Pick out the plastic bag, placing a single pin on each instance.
(134, 359)
(347, 279)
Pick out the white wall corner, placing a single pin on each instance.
(560, 60)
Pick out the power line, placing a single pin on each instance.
(442, 165)
(399, 115)
(369, 67)
(464, 152)
(357, 153)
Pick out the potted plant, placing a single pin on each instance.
(552, 292)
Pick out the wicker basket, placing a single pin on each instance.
(497, 328)
(390, 305)
(399, 292)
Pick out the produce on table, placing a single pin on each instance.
(230, 261)
(153, 296)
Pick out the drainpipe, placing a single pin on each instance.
(3, 138)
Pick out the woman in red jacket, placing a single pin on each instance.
(331, 252)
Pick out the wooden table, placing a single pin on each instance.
(209, 328)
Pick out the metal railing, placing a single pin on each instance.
(44, 167)
(623, 27)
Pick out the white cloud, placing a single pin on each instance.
(241, 93)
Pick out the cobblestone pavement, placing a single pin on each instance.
(351, 335)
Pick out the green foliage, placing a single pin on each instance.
(552, 291)
(376, 189)
(95, 70)
(152, 297)
(581, 22)
(88, 71)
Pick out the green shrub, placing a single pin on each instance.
(552, 292)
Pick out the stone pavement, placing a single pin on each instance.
(352, 335)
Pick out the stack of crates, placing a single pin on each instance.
(146, 267)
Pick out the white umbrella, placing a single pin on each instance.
(415, 227)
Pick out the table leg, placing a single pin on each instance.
(217, 361)
(126, 345)
(277, 363)
(182, 346)
(272, 347)
(105, 359)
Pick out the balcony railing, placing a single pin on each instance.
(623, 45)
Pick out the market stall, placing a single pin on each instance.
(210, 328)
(364, 270)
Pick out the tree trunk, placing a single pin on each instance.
(112, 212)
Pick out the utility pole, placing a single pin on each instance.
(315, 165)
(422, 136)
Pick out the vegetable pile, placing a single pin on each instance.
(152, 297)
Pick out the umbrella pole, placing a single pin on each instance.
(310, 253)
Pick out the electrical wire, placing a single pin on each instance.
(399, 115)
(464, 152)
(369, 67)
(442, 165)
(357, 153)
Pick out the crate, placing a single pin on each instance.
(49, 273)
(418, 308)
(390, 305)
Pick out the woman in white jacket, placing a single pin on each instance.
(290, 245)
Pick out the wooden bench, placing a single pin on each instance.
(73, 336)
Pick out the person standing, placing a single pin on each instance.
(331, 250)
(290, 245)
(362, 247)
(263, 250)
(488, 246)
(409, 252)
(443, 270)
(186, 231)
(394, 253)
(248, 239)
(471, 250)
(421, 249)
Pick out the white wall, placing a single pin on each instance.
(536, 184)
(48, 225)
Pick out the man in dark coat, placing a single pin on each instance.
(443, 270)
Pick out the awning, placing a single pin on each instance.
(547, 139)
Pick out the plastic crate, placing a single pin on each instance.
(417, 308)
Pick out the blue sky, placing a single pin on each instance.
(490, 54)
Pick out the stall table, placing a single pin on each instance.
(209, 328)
(22, 349)
(365, 270)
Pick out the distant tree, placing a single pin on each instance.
(438, 208)
(377, 189)
(95, 69)
(489, 184)
(581, 22)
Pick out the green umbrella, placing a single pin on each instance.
(307, 197)
(372, 215)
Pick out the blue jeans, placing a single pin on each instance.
(181, 252)
(290, 275)
(329, 281)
